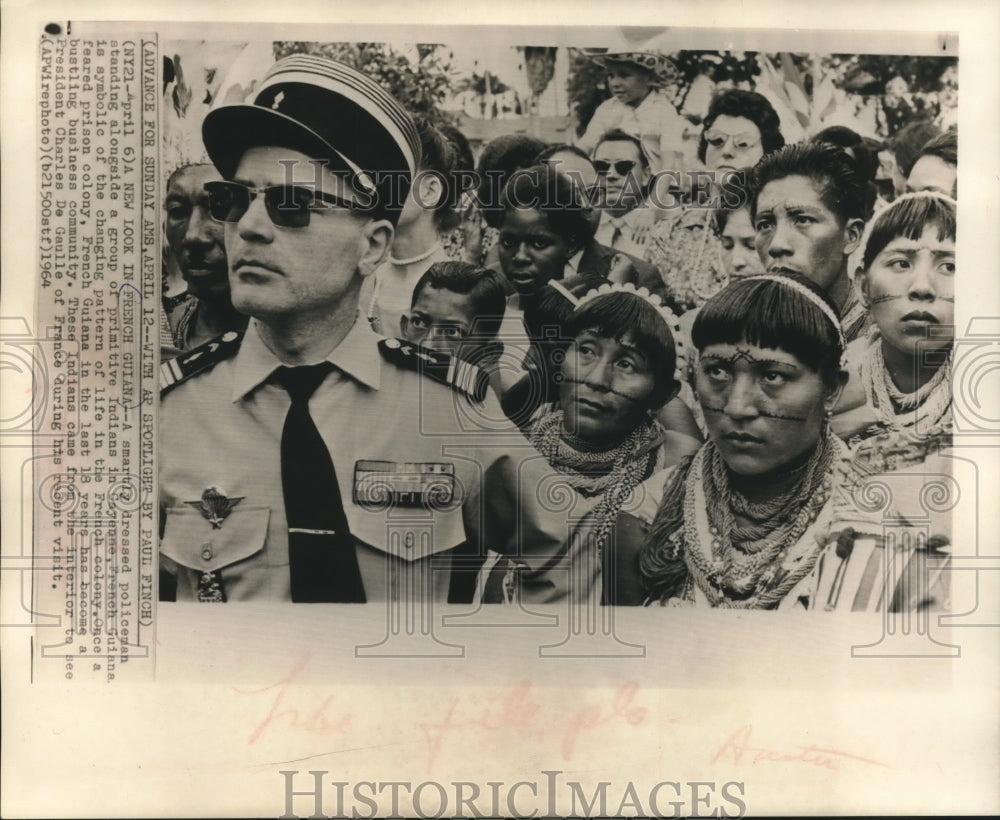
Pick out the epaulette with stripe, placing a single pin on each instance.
(458, 374)
(197, 360)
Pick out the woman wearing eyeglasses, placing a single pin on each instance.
(739, 129)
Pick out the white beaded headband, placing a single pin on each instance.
(812, 297)
(673, 323)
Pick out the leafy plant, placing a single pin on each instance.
(420, 86)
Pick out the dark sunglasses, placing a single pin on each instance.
(288, 206)
(621, 166)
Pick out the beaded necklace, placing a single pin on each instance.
(420, 257)
(927, 408)
(611, 473)
(753, 566)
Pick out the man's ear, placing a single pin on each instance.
(376, 237)
(853, 231)
(404, 323)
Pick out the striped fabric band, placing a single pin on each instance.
(355, 86)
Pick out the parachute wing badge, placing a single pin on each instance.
(214, 506)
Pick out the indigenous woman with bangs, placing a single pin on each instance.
(601, 436)
(900, 389)
(741, 523)
(901, 374)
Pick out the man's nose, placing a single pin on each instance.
(256, 223)
(779, 243)
(202, 229)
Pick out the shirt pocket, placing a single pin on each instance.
(192, 541)
(408, 537)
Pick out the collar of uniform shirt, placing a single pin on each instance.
(357, 355)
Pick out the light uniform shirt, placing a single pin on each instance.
(654, 121)
(222, 428)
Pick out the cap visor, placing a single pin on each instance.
(228, 131)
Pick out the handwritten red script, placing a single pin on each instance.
(517, 708)
(469, 712)
(318, 718)
(737, 750)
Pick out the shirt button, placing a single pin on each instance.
(206, 552)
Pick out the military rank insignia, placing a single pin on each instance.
(381, 484)
(174, 372)
(458, 374)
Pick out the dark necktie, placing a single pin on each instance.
(616, 234)
(321, 551)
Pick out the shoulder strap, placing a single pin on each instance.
(197, 360)
(461, 376)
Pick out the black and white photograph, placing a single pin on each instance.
(469, 412)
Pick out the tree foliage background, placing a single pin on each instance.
(421, 86)
(908, 87)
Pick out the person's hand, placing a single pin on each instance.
(643, 227)
(640, 234)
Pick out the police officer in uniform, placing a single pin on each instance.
(309, 459)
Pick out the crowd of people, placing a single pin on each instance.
(560, 371)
